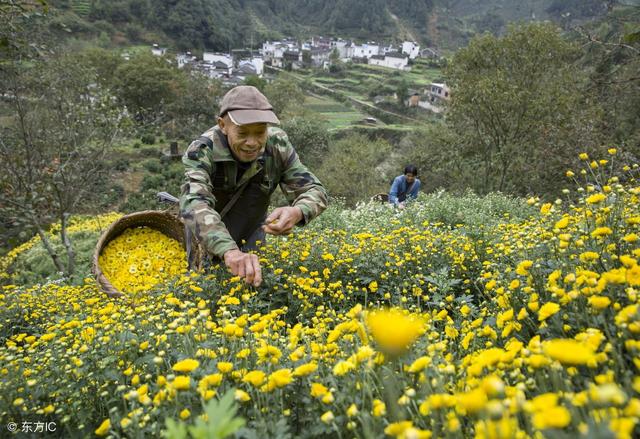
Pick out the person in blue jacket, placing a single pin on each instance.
(405, 187)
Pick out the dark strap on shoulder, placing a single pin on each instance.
(233, 200)
(207, 141)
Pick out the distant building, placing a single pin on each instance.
(321, 42)
(246, 68)
(414, 99)
(212, 57)
(292, 57)
(438, 93)
(258, 63)
(273, 52)
(184, 58)
(393, 60)
(319, 56)
(429, 52)
(158, 51)
(366, 50)
(344, 48)
(411, 48)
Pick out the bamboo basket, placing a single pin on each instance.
(162, 221)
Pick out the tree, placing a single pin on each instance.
(309, 136)
(196, 108)
(519, 109)
(283, 93)
(52, 150)
(148, 85)
(402, 91)
(612, 58)
(256, 81)
(306, 58)
(349, 169)
(15, 18)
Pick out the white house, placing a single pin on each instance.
(251, 66)
(439, 92)
(217, 69)
(321, 42)
(393, 60)
(268, 48)
(343, 47)
(158, 51)
(366, 50)
(411, 48)
(258, 63)
(184, 58)
(213, 57)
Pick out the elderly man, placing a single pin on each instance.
(231, 172)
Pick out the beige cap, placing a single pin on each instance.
(245, 104)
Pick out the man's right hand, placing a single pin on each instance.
(245, 265)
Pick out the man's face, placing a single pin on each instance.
(410, 178)
(246, 141)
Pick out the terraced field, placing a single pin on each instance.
(337, 114)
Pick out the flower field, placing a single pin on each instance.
(509, 321)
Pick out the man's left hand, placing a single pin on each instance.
(282, 220)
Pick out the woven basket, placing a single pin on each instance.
(381, 197)
(159, 220)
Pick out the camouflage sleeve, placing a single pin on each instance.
(301, 188)
(197, 202)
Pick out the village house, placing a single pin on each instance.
(292, 58)
(321, 42)
(320, 56)
(217, 69)
(344, 48)
(438, 93)
(429, 52)
(393, 60)
(158, 51)
(411, 48)
(414, 99)
(366, 50)
(182, 59)
(212, 57)
(273, 52)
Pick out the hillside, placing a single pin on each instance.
(220, 25)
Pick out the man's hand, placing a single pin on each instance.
(282, 220)
(245, 265)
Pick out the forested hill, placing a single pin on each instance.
(221, 24)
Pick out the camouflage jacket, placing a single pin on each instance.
(205, 166)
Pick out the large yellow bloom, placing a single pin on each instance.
(185, 366)
(553, 417)
(568, 351)
(547, 310)
(182, 382)
(255, 378)
(393, 330)
(278, 379)
(103, 429)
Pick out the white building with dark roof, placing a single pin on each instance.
(411, 48)
(392, 60)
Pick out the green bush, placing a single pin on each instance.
(152, 165)
(148, 139)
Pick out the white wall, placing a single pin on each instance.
(213, 57)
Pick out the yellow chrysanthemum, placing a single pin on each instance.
(393, 330)
(186, 366)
